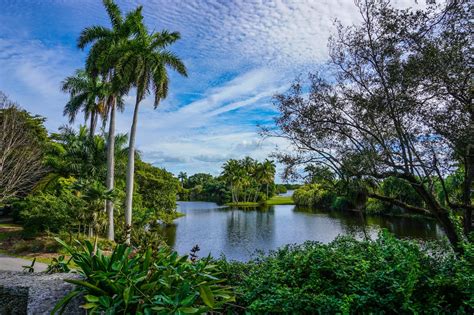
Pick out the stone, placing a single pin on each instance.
(36, 293)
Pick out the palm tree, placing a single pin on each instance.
(87, 94)
(145, 62)
(232, 173)
(101, 61)
(268, 173)
(182, 176)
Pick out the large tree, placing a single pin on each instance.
(399, 104)
(144, 61)
(22, 143)
(102, 61)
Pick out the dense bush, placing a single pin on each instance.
(50, 212)
(149, 282)
(375, 206)
(349, 276)
(314, 195)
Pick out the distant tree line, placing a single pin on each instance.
(245, 180)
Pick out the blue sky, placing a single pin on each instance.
(238, 54)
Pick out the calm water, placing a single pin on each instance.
(239, 233)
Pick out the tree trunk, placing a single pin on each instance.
(111, 171)
(467, 189)
(93, 124)
(130, 175)
(441, 214)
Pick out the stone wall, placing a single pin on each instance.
(35, 293)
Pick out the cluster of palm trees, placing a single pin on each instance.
(247, 176)
(120, 59)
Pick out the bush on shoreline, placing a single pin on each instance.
(348, 276)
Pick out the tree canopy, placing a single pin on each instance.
(399, 105)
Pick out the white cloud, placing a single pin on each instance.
(30, 73)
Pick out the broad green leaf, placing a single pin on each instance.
(206, 295)
(188, 310)
(91, 298)
(87, 285)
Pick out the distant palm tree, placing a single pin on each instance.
(232, 173)
(101, 61)
(182, 176)
(268, 171)
(145, 62)
(87, 94)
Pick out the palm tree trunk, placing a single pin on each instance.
(111, 172)
(93, 123)
(130, 175)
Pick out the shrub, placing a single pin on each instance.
(375, 206)
(349, 276)
(149, 282)
(341, 203)
(314, 195)
(47, 212)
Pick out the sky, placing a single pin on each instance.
(239, 53)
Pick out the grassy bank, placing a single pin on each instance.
(275, 200)
(243, 204)
(280, 200)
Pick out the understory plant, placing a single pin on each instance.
(348, 276)
(148, 282)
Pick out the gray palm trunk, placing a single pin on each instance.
(93, 124)
(130, 175)
(111, 171)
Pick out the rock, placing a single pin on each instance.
(35, 293)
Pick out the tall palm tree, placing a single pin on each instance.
(87, 94)
(232, 173)
(102, 62)
(145, 63)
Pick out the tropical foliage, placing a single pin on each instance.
(245, 180)
(149, 282)
(246, 177)
(349, 277)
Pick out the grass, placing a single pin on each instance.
(280, 200)
(275, 200)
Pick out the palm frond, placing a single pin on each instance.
(92, 34)
(115, 15)
(172, 61)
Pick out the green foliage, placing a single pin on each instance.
(397, 188)
(157, 187)
(148, 282)
(59, 264)
(375, 206)
(314, 195)
(349, 276)
(247, 177)
(50, 212)
(280, 189)
(204, 187)
(341, 203)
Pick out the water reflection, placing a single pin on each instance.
(237, 233)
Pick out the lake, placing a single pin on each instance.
(238, 233)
